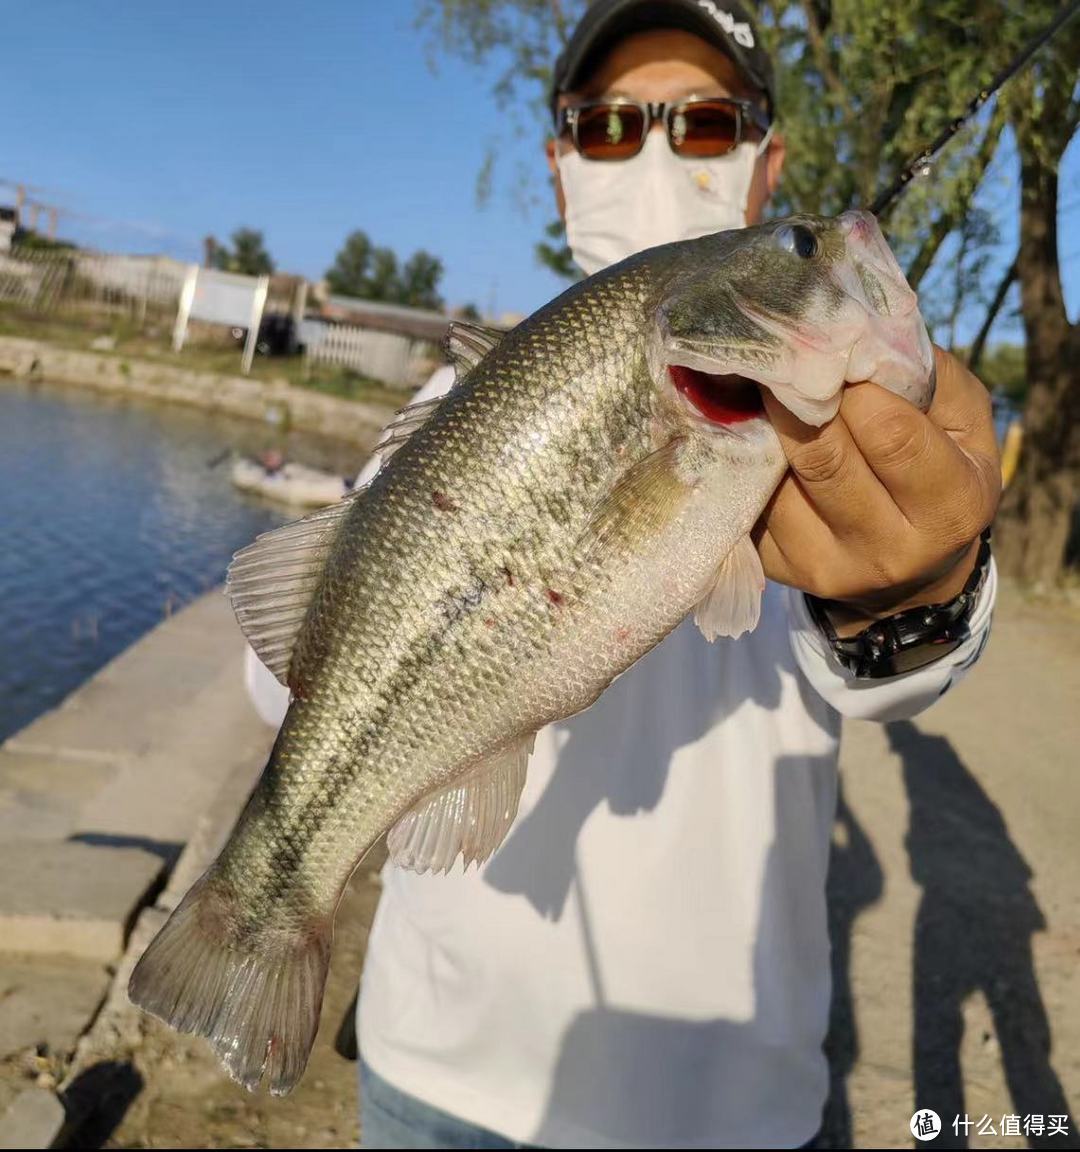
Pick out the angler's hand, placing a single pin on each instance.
(883, 506)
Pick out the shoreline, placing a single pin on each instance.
(107, 800)
(103, 799)
(275, 402)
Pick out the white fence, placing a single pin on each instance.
(23, 281)
(391, 343)
(47, 278)
(387, 356)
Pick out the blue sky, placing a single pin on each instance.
(165, 122)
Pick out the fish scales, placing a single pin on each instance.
(313, 806)
(592, 479)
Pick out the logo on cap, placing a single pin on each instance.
(738, 30)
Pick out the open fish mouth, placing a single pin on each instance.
(831, 308)
(724, 398)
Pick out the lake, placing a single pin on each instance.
(114, 516)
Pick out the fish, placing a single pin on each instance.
(590, 480)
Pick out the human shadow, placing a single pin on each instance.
(97, 1100)
(606, 755)
(856, 882)
(973, 933)
(752, 1077)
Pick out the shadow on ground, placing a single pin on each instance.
(97, 1101)
(973, 932)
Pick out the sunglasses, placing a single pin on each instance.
(696, 128)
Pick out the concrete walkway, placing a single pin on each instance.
(954, 903)
(97, 800)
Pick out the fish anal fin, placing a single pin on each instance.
(468, 818)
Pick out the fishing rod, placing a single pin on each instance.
(923, 163)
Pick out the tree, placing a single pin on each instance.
(864, 86)
(1003, 371)
(522, 38)
(1037, 510)
(420, 280)
(384, 282)
(369, 273)
(247, 256)
(349, 274)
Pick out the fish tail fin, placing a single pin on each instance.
(255, 994)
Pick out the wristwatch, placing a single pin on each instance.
(908, 640)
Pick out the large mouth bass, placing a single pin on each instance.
(589, 481)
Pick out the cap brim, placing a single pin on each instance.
(632, 16)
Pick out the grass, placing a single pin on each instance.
(202, 353)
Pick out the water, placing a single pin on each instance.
(112, 518)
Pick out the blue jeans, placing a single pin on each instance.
(390, 1118)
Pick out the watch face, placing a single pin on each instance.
(918, 656)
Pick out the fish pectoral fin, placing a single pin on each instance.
(467, 344)
(733, 604)
(469, 818)
(642, 503)
(271, 582)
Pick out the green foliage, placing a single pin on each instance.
(369, 273)
(520, 39)
(419, 280)
(24, 238)
(554, 253)
(959, 279)
(349, 274)
(1003, 369)
(248, 254)
(865, 86)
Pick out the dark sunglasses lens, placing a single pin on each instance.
(609, 131)
(704, 128)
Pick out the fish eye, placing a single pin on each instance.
(799, 239)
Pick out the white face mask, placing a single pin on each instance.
(618, 207)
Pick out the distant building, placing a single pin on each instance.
(9, 223)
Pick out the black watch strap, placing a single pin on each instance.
(911, 639)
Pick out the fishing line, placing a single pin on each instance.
(922, 163)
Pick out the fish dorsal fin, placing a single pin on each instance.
(467, 344)
(469, 818)
(405, 422)
(733, 604)
(271, 582)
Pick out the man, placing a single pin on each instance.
(645, 961)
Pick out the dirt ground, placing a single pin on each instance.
(169, 1091)
(955, 916)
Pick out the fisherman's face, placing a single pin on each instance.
(668, 65)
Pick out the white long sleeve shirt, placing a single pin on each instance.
(645, 960)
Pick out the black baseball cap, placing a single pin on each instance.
(725, 23)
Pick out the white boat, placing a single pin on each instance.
(293, 484)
